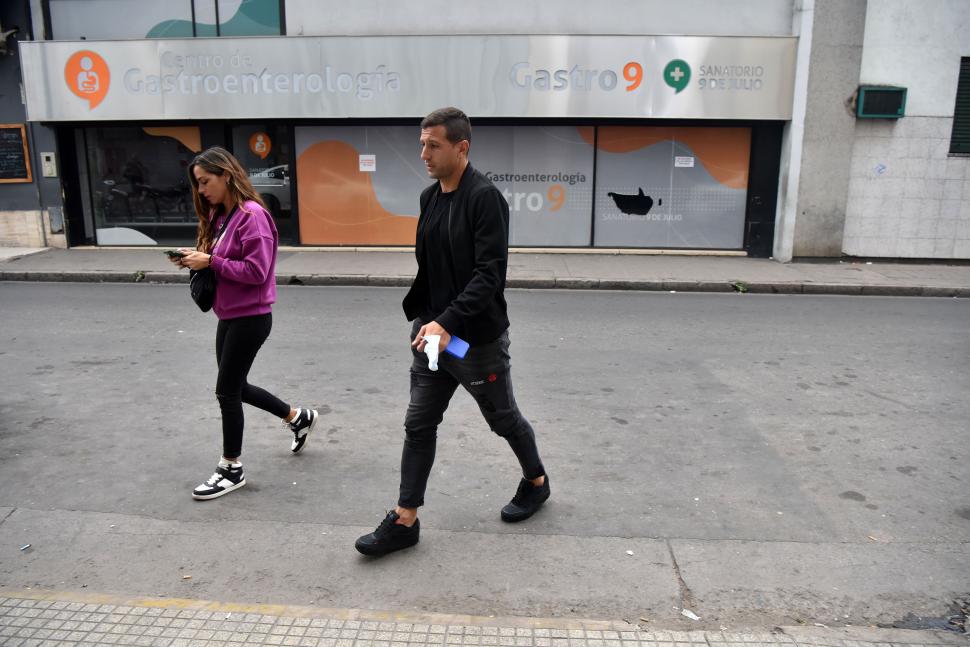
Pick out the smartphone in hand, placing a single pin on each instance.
(457, 347)
(174, 253)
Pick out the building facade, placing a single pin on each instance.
(727, 128)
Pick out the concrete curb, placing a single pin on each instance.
(364, 280)
(93, 277)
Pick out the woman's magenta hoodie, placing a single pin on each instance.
(244, 262)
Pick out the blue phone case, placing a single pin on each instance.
(457, 347)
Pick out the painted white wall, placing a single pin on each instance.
(908, 197)
(684, 17)
(918, 45)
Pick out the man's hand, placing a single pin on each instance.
(432, 328)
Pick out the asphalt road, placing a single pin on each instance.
(765, 459)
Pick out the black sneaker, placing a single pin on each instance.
(301, 426)
(527, 500)
(223, 481)
(388, 537)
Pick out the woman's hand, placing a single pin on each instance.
(195, 260)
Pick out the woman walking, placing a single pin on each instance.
(238, 240)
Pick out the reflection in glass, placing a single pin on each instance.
(545, 174)
(98, 19)
(273, 184)
(139, 186)
(249, 17)
(264, 151)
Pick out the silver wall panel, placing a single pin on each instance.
(401, 76)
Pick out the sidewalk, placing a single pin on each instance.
(584, 269)
(29, 618)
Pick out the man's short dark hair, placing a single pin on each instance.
(456, 123)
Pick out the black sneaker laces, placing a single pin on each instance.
(521, 494)
(385, 528)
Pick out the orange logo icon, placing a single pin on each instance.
(260, 145)
(87, 76)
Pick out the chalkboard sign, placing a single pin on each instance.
(14, 160)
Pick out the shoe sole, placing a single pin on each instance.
(206, 497)
(380, 551)
(306, 436)
(515, 519)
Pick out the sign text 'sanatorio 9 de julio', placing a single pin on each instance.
(406, 76)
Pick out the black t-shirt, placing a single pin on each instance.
(437, 258)
(474, 248)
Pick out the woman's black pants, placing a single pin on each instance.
(237, 342)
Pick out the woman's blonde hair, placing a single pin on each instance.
(218, 161)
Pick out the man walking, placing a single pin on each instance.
(462, 252)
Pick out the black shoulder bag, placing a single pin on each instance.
(202, 283)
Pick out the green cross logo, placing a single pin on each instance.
(677, 74)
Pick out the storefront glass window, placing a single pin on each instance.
(264, 151)
(205, 18)
(683, 187)
(671, 187)
(140, 190)
(546, 175)
(249, 17)
(99, 19)
(237, 17)
(359, 185)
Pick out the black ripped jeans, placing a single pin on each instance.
(237, 342)
(485, 372)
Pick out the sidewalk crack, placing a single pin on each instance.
(687, 600)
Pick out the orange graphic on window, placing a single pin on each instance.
(260, 144)
(87, 76)
(724, 152)
(188, 136)
(338, 205)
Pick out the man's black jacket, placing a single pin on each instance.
(478, 231)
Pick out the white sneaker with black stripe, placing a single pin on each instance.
(302, 424)
(227, 477)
